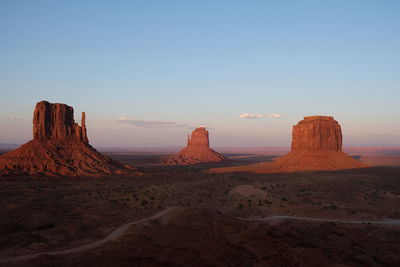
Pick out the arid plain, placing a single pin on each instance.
(41, 214)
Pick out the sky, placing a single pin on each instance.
(148, 72)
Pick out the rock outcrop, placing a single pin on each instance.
(197, 150)
(60, 147)
(56, 121)
(317, 133)
(316, 145)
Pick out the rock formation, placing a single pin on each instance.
(316, 145)
(60, 147)
(197, 150)
(56, 122)
(317, 133)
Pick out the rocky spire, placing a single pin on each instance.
(83, 128)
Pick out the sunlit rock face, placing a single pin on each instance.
(317, 133)
(199, 138)
(197, 150)
(60, 147)
(56, 121)
(316, 146)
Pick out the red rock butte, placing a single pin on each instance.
(56, 122)
(316, 146)
(317, 133)
(60, 147)
(197, 150)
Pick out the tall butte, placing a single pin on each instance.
(197, 150)
(316, 145)
(60, 147)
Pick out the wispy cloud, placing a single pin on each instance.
(275, 116)
(251, 116)
(149, 123)
(259, 116)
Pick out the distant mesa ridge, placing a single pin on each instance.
(316, 145)
(60, 147)
(197, 150)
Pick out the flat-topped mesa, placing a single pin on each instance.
(317, 133)
(199, 138)
(56, 121)
(316, 146)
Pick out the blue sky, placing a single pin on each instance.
(146, 72)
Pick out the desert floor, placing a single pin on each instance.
(206, 228)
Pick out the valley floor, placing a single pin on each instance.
(41, 214)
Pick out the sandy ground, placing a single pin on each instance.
(41, 214)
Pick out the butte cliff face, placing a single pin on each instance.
(60, 147)
(197, 150)
(317, 133)
(56, 122)
(316, 145)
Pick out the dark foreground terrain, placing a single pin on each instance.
(208, 225)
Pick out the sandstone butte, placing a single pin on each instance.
(60, 147)
(316, 146)
(197, 150)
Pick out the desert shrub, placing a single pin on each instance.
(44, 226)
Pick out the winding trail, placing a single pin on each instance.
(113, 235)
(118, 232)
(299, 218)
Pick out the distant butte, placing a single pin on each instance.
(316, 145)
(197, 150)
(317, 133)
(60, 147)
